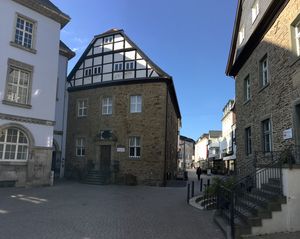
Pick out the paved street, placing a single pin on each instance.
(78, 211)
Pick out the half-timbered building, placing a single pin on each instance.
(123, 116)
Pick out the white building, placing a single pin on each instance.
(201, 151)
(228, 145)
(29, 66)
(61, 112)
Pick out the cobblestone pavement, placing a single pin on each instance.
(78, 211)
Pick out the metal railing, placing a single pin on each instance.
(263, 169)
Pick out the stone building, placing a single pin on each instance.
(264, 61)
(123, 117)
(29, 66)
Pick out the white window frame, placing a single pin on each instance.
(264, 71)
(80, 147)
(267, 135)
(241, 35)
(5, 144)
(129, 65)
(297, 38)
(248, 141)
(108, 40)
(118, 66)
(24, 31)
(247, 88)
(107, 105)
(82, 107)
(255, 10)
(135, 144)
(135, 104)
(15, 86)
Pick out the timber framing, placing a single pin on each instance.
(271, 14)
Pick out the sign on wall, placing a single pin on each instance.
(287, 134)
(120, 149)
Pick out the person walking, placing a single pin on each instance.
(198, 172)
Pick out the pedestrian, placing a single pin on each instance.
(198, 172)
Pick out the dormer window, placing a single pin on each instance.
(255, 11)
(241, 35)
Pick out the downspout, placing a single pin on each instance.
(166, 131)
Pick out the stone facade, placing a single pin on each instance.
(277, 100)
(156, 125)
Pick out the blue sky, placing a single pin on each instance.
(188, 39)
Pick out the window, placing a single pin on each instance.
(134, 147)
(241, 35)
(129, 65)
(267, 135)
(297, 38)
(13, 145)
(118, 66)
(88, 72)
(255, 11)
(82, 106)
(248, 141)
(97, 70)
(264, 73)
(18, 87)
(108, 39)
(107, 106)
(247, 92)
(135, 104)
(80, 147)
(24, 32)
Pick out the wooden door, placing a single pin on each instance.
(105, 157)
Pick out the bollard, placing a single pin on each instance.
(188, 193)
(201, 184)
(193, 188)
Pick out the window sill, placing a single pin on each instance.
(81, 117)
(31, 50)
(264, 87)
(13, 162)
(247, 101)
(134, 158)
(11, 103)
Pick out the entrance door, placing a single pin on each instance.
(105, 155)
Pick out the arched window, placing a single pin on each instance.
(14, 144)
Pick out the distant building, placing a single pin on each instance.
(31, 64)
(228, 144)
(214, 154)
(186, 152)
(123, 116)
(201, 150)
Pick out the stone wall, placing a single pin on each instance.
(275, 101)
(148, 125)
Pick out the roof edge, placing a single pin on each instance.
(57, 16)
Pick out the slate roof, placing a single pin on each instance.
(65, 50)
(46, 8)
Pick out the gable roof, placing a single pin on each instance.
(114, 31)
(235, 63)
(162, 75)
(46, 8)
